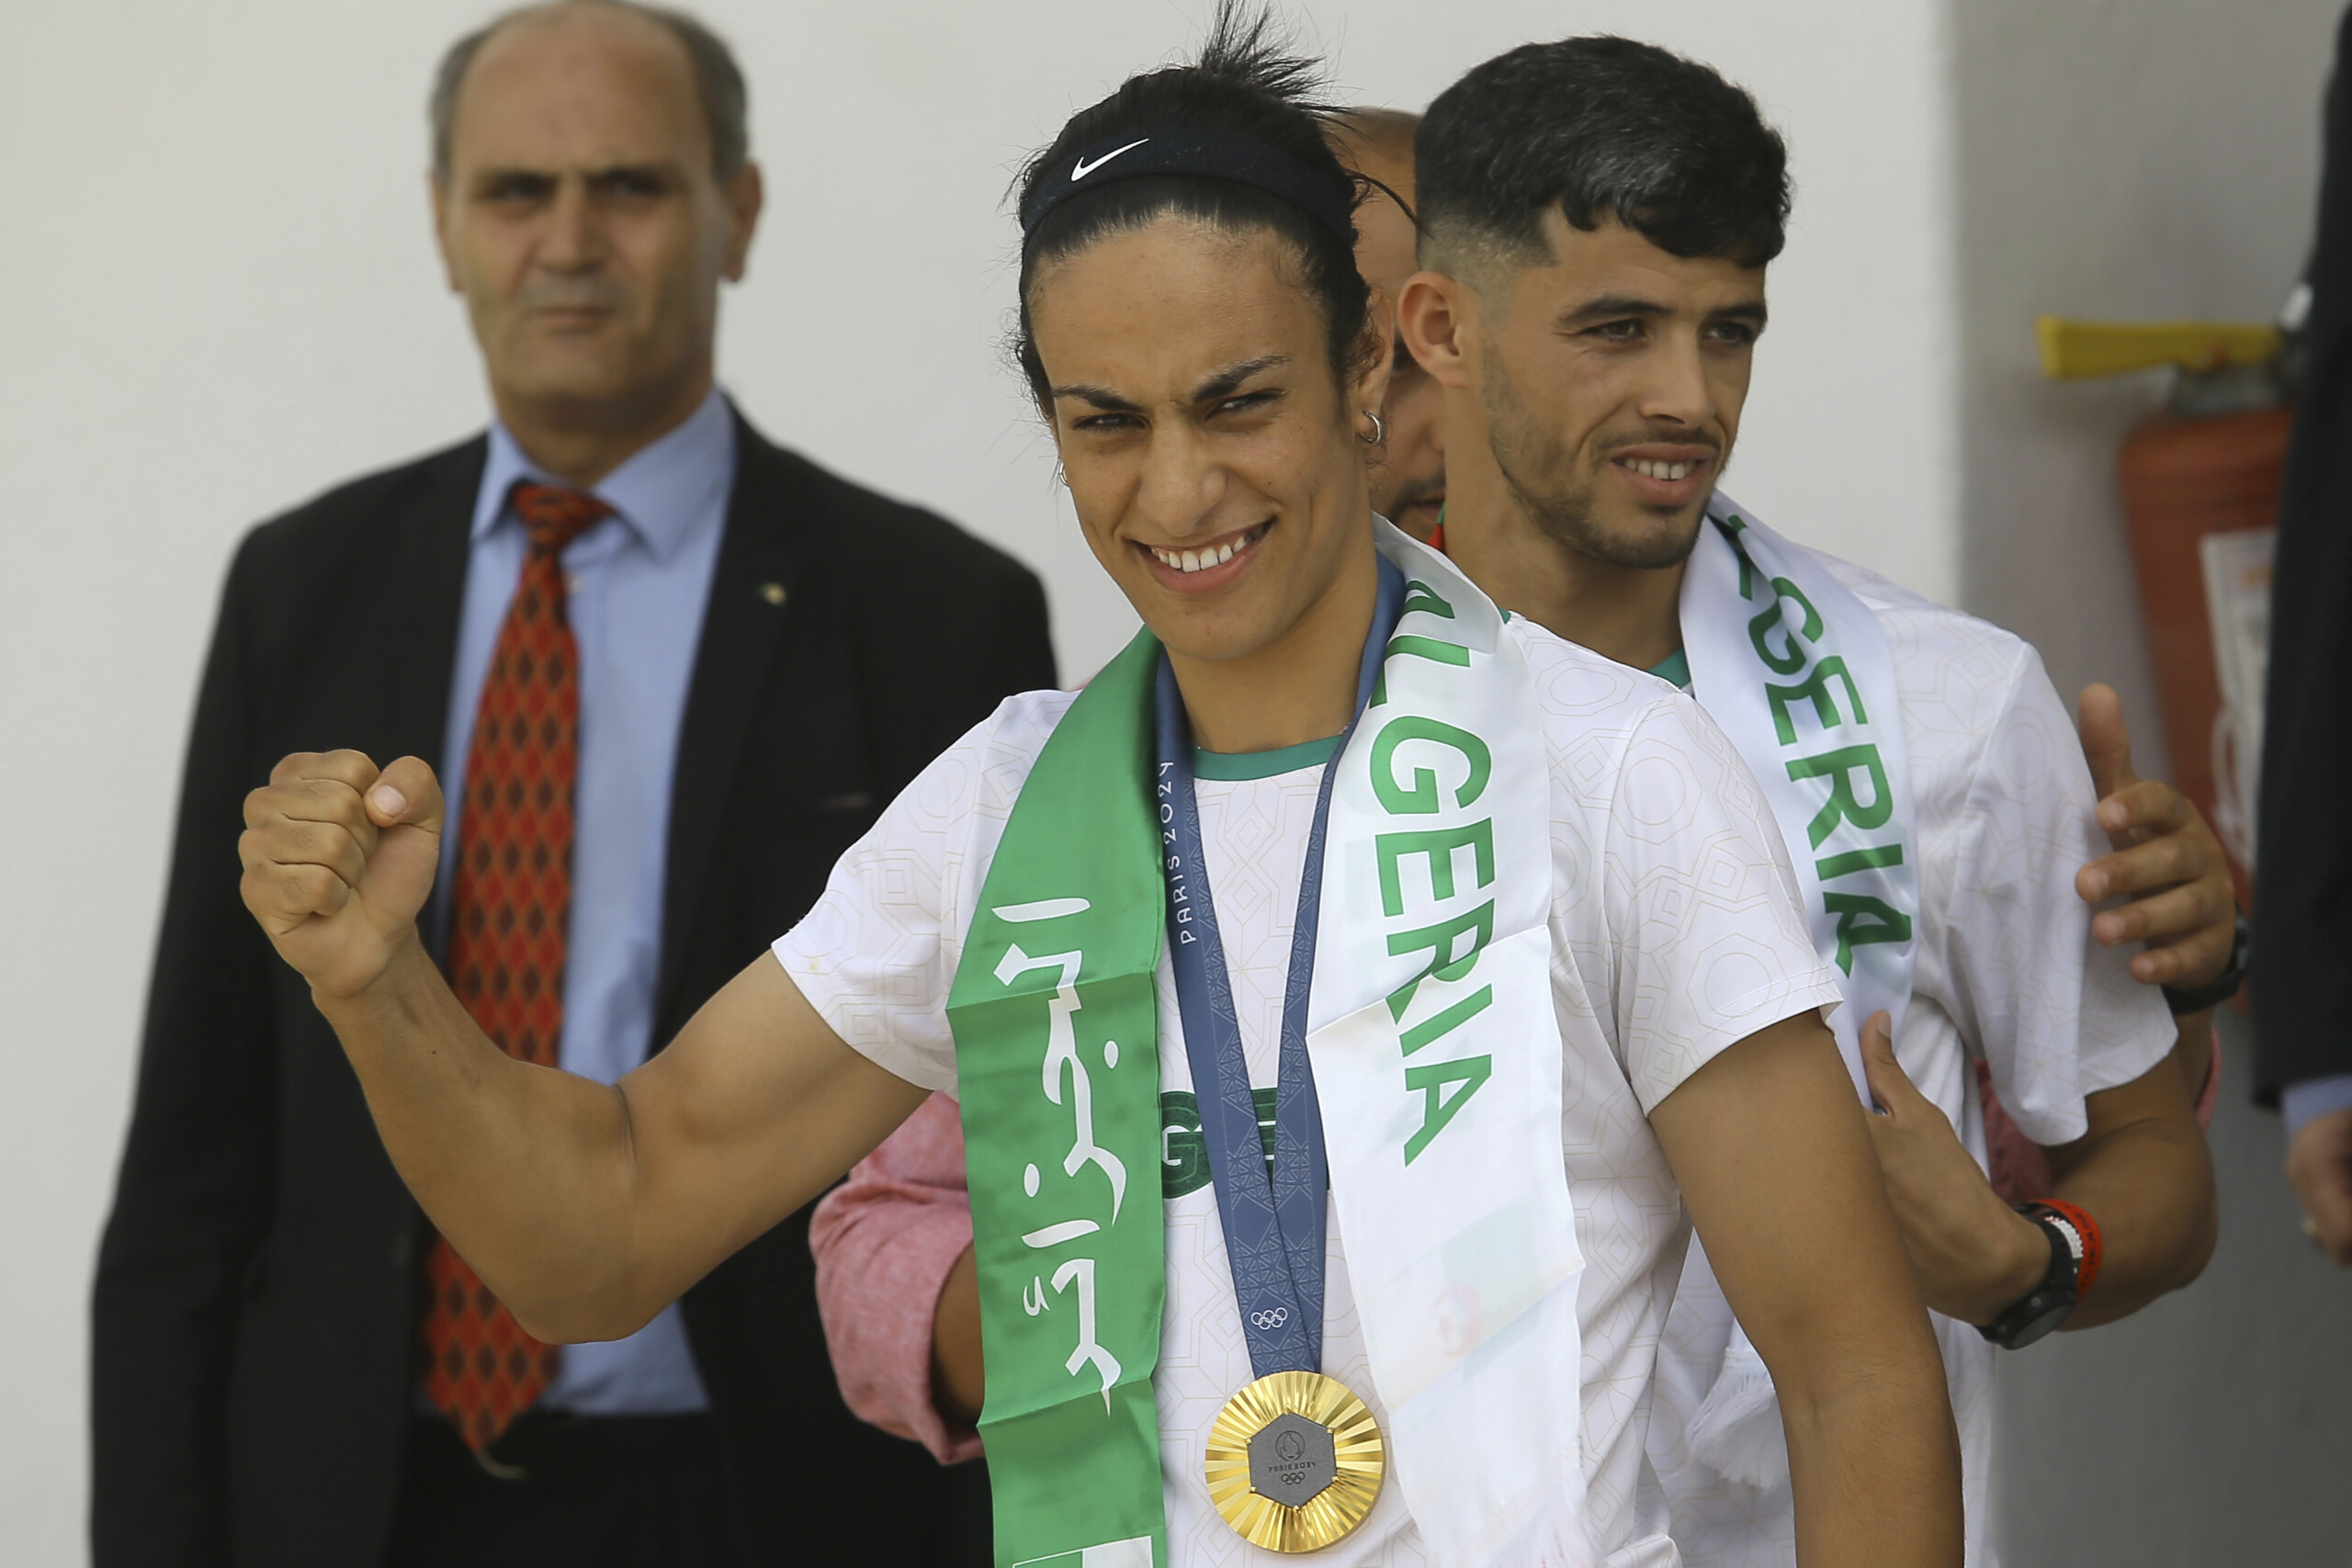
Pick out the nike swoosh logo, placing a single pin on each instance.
(1085, 168)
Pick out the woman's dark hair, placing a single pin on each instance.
(1601, 127)
(1243, 85)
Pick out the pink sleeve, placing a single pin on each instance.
(2212, 1094)
(885, 1241)
(2018, 1167)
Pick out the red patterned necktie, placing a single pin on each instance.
(509, 905)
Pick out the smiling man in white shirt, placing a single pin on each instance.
(1598, 217)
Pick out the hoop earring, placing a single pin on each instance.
(1379, 431)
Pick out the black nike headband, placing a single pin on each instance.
(1207, 154)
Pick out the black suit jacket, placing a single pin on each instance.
(2301, 983)
(256, 1295)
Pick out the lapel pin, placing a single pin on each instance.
(772, 591)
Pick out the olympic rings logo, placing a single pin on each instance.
(1274, 1318)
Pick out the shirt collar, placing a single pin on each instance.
(660, 493)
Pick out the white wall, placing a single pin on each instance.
(2124, 160)
(217, 296)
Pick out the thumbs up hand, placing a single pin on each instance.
(2184, 905)
(339, 858)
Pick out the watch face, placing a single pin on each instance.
(2036, 1328)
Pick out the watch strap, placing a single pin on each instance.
(2222, 987)
(2041, 1310)
(2089, 1246)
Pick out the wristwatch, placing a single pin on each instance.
(2222, 987)
(2044, 1307)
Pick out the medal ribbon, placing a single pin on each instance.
(1274, 1222)
(1443, 1140)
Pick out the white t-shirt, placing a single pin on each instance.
(2007, 970)
(1675, 933)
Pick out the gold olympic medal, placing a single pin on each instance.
(1294, 1461)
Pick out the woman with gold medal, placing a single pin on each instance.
(1289, 1458)
(1345, 993)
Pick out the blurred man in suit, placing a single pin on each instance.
(2303, 922)
(673, 671)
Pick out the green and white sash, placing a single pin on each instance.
(1437, 1060)
(1797, 672)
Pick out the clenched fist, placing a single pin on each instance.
(339, 857)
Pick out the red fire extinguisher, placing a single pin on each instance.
(2200, 482)
(2200, 498)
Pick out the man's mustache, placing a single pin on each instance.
(1671, 438)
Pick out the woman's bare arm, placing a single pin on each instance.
(587, 1207)
(1769, 1144)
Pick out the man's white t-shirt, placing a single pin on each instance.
(1675, 933)
(2007, 970)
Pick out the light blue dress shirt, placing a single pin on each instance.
(639, 581)
(2305, 1102)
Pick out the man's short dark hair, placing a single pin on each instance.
(1600, 128)
(719, 81)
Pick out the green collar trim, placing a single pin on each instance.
(1674, 667)
(1238, 766)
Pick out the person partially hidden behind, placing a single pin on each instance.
(670, 672)
(1409, 462)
